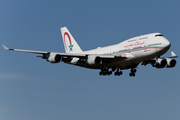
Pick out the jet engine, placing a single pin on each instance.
(170, 63)
(160, 63)
(54, 58)
(94, 60)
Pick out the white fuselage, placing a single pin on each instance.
(136, 49)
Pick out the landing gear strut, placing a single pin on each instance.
(118, 72)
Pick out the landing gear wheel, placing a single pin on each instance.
(105, 71)
(119, 73)
(100, 73)
(132, 74)
(115, 73)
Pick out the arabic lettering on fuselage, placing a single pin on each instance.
(134, 44)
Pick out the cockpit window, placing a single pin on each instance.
(158, 35)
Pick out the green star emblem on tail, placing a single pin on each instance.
(70, 47)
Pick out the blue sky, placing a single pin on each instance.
(33, 89)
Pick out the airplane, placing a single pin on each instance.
(144, 49)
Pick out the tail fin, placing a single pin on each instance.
(70, 44)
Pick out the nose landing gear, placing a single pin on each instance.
(133, 71)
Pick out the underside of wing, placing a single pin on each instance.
(55, 57)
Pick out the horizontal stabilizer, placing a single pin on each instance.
(173, 54)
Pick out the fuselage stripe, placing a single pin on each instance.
(133, 50)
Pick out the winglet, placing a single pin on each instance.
(6, 48)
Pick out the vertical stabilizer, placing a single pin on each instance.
(70, 45)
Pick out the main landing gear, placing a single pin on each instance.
(105, 71)
(117, 72)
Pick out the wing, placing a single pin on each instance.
(52, 56)
(29, 51)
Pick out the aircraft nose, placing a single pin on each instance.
(167, 44)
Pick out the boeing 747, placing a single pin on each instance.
(144, 49)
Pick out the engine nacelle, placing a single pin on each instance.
(170, 63)
(54, 58)
(160, 63)
(94, 60)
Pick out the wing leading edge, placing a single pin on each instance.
(77, 55)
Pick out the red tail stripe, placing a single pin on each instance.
(68, 38)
